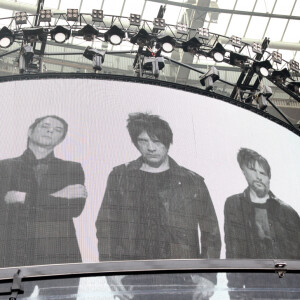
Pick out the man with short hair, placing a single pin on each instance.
(152, 208)
(259, 226)
(39, 197)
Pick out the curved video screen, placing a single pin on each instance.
(100, 170)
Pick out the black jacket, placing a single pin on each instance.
(41, 230)
(185, 204)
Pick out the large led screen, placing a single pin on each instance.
(108, 170)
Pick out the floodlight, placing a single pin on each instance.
(264, 94)
(181, 28)
(237, 59)
(159, 23)
(203, 33)
(45, 15)
(21, 18)
(191, 45)
(96, 56)
(236, 41)
(88, 32)
(294, 86)
(167, 43)
(60, 34)
(154, 64)
(114, 35)
(217, 53)
(26, 56)
(257, 48)
(6, 37)
(31, 35)
(277, 57)
(294, 65)
(262, 67)
(97, 15)
(209, 78)
(72, 14)
(280, 76)
(135, 19)
(142, 38)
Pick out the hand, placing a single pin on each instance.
(116, 285)
(204, 288)
(15, 197)
(72, 192)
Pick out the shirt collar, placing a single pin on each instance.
(30, 157)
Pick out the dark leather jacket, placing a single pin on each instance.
(185, 204)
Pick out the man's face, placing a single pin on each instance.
(257, 179)
(153, 151)
(48, 133)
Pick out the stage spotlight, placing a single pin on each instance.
(217, 53)
(277, 57)
(97, 15)
(191, 45)
(135, 19)
(142, 38)
(21, 18)
(264, 94)
(45, 15)
(72, 14)
(294, 86)
(262, 67)
(181, 28)
(114, 35)
(209, 78)
(236, 41)
(203, 33)
(294, 65)
(96, 56)
(256, 48)
(280, 76)
(238, 60)
(159, 23)
(154, 64)
(26, 56)
(6, 37)
(32, 35)
(60, 34)
(167, 43)
(88, 32)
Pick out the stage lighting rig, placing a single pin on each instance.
(97, 15)
(135, 19)
(209, 78)
(192, 46)
(142, 38)
(239, 60)
(159, 24)
(154, 64)
(96, 56)
(72, 14)
(114, 35)
(294, 86)
(264, 94)
(88, 32)
(6, 37)
(45, 15)
(262, 67)
(236, 41)
(280, 76)
(257, 48)
(32, 35)
(203, 33)
(277, 57)
(217, 53)
(166, 43)
(182, 29)
(294, 65)
(60, 34)
(21, 18)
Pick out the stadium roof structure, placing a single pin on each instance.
(272, 24)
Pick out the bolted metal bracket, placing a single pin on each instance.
(280, 269)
